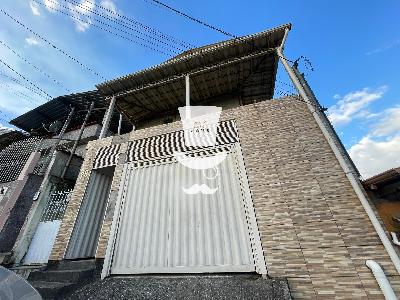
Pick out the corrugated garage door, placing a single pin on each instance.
(87, 228)
(162, 229)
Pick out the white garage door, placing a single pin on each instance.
(163, 230)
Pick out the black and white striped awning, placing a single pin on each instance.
(107, 156)
(163, 146)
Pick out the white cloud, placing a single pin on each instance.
(110, 5)
(353, 105)
(389, 124)
(379, 150)
(373, 156)
(51, 5)
(35, 8)
(32, 41)
(384, 48)
(83, 11)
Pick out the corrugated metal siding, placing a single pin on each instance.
(84, 238)
(164, 230)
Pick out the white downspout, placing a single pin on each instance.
(381, 279)
(354, 181)
(395, 239)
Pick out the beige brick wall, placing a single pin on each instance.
(313, 228)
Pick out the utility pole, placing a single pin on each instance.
(325, 119)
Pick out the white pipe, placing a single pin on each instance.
(382, 280)
(395, 239)
(187, 81)
(352, 178)
(119, 124)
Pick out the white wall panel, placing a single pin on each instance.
(42, 242)
(162, 229)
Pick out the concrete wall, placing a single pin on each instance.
(313, 228)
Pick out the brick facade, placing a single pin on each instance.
(313, 228)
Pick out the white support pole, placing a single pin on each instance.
(107, 118)
(119, 124)
(187, 81)
(354, 181)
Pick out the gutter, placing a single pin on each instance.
(354, 181)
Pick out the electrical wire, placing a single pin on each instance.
(155, 2)
(191, 18)
(19, 93)
(88, 9)
(34, 66)
(15, 80)
(52, 45)
(26, 79)
(7, 117)
(139, 24)
(109, 31)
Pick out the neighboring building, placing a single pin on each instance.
(284, 204)
(384, 191)
(9, 136)
(38, 172)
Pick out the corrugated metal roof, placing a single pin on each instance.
(383, 177)
(59, 108)
(244, 67)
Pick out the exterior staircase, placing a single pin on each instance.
(58, 280)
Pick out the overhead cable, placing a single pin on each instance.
(52, 45)
(34, 66)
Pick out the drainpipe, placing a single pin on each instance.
(381, 279)
(354, 181)
(119, 124)
(77, 140)
(395, 239)
(187, 84)
(107, 118)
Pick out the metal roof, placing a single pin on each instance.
(59, 108)
(384, 177)
(244, 67)
(9, 136)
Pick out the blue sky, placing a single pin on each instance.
(354, 47)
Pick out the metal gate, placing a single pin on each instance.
(46, 232)
(87, 228)
(163, 230)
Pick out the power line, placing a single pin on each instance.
(139, 24)
(26, 79)
(15, 80)
(192, 18)
(52, 45)
(155, 2)
(124, 24)
(34, 66)
(19, 93)
(109, 31)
